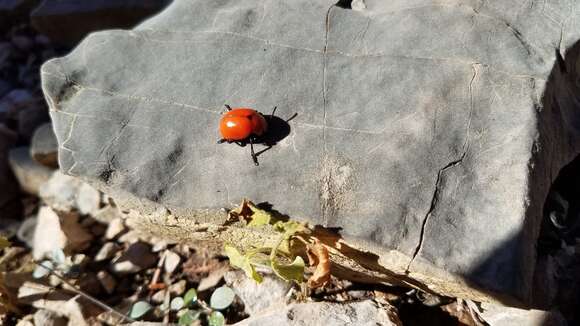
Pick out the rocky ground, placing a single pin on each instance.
(99, 271)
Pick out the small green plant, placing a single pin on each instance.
(190, 309)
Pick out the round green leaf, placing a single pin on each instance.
(176, 303)
(40, 271)
(189, 317)
(190, 297)
(216, 319)
(222, 298)
(139, 309)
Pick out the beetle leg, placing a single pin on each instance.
(254, 157)
(221, 141)
(228, 107)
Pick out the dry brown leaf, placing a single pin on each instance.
(318, 257)
(243, 212)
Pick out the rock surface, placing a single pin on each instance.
(31, 175)
(43, 146)
(324, 313)
(503, 316)
(429, 133)
(270, 293)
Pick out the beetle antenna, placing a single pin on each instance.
(292, 117)
(254, 156)
(228, 107)
(273, 111)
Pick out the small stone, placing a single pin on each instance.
(107, 281)
(42, 40)
(158, 244)
(136, 258)
(22, 42)
(58, 232)
(26, 231)
(30, 174)
(172, 260)
(130, 237)
(158, 296)
(178, 288)
(107, 214)
(44, 147)
(30, 118)
(256, 297)
(48, 318)
(48, 234)
(88, 199)
(116, 227)
(107, 251)
(326, 313)
(212, 279)
(26, 321)
(60, 191)
(496, 315)
(14, 101)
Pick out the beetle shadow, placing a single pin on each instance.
(278, 129)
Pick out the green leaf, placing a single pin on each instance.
(243, 262)
(4, 242)
(190, 297)
(222, 298)
(139, 309)
(289, 228)
(294, 271)
(177, 303)
(260, 217)
(189, 317)
(216, 319)
(40, 271)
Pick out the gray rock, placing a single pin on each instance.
(325, 313)
(54, 18)
(31, 175)
(116, 227)
(65, 193)
(15, 101)
(504, 316)
(429, 133)
(26, 231)
(11, 11)
(9, 196)
(258, 297)
(48, 318)
(107, 251)
(43, 146)
(30, 118)
(137, 257)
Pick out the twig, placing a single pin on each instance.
(86, 295)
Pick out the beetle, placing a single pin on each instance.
(243, 126)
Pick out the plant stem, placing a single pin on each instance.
(86, 295)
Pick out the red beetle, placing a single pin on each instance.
(242, 126)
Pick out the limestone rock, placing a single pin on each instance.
(137, 257)
(271, 293)
(43, 146)
(63, 192)
(365, 313)
(31, 175)
(58, 232)
(428, 133)
(48, 318)
(504, 316)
